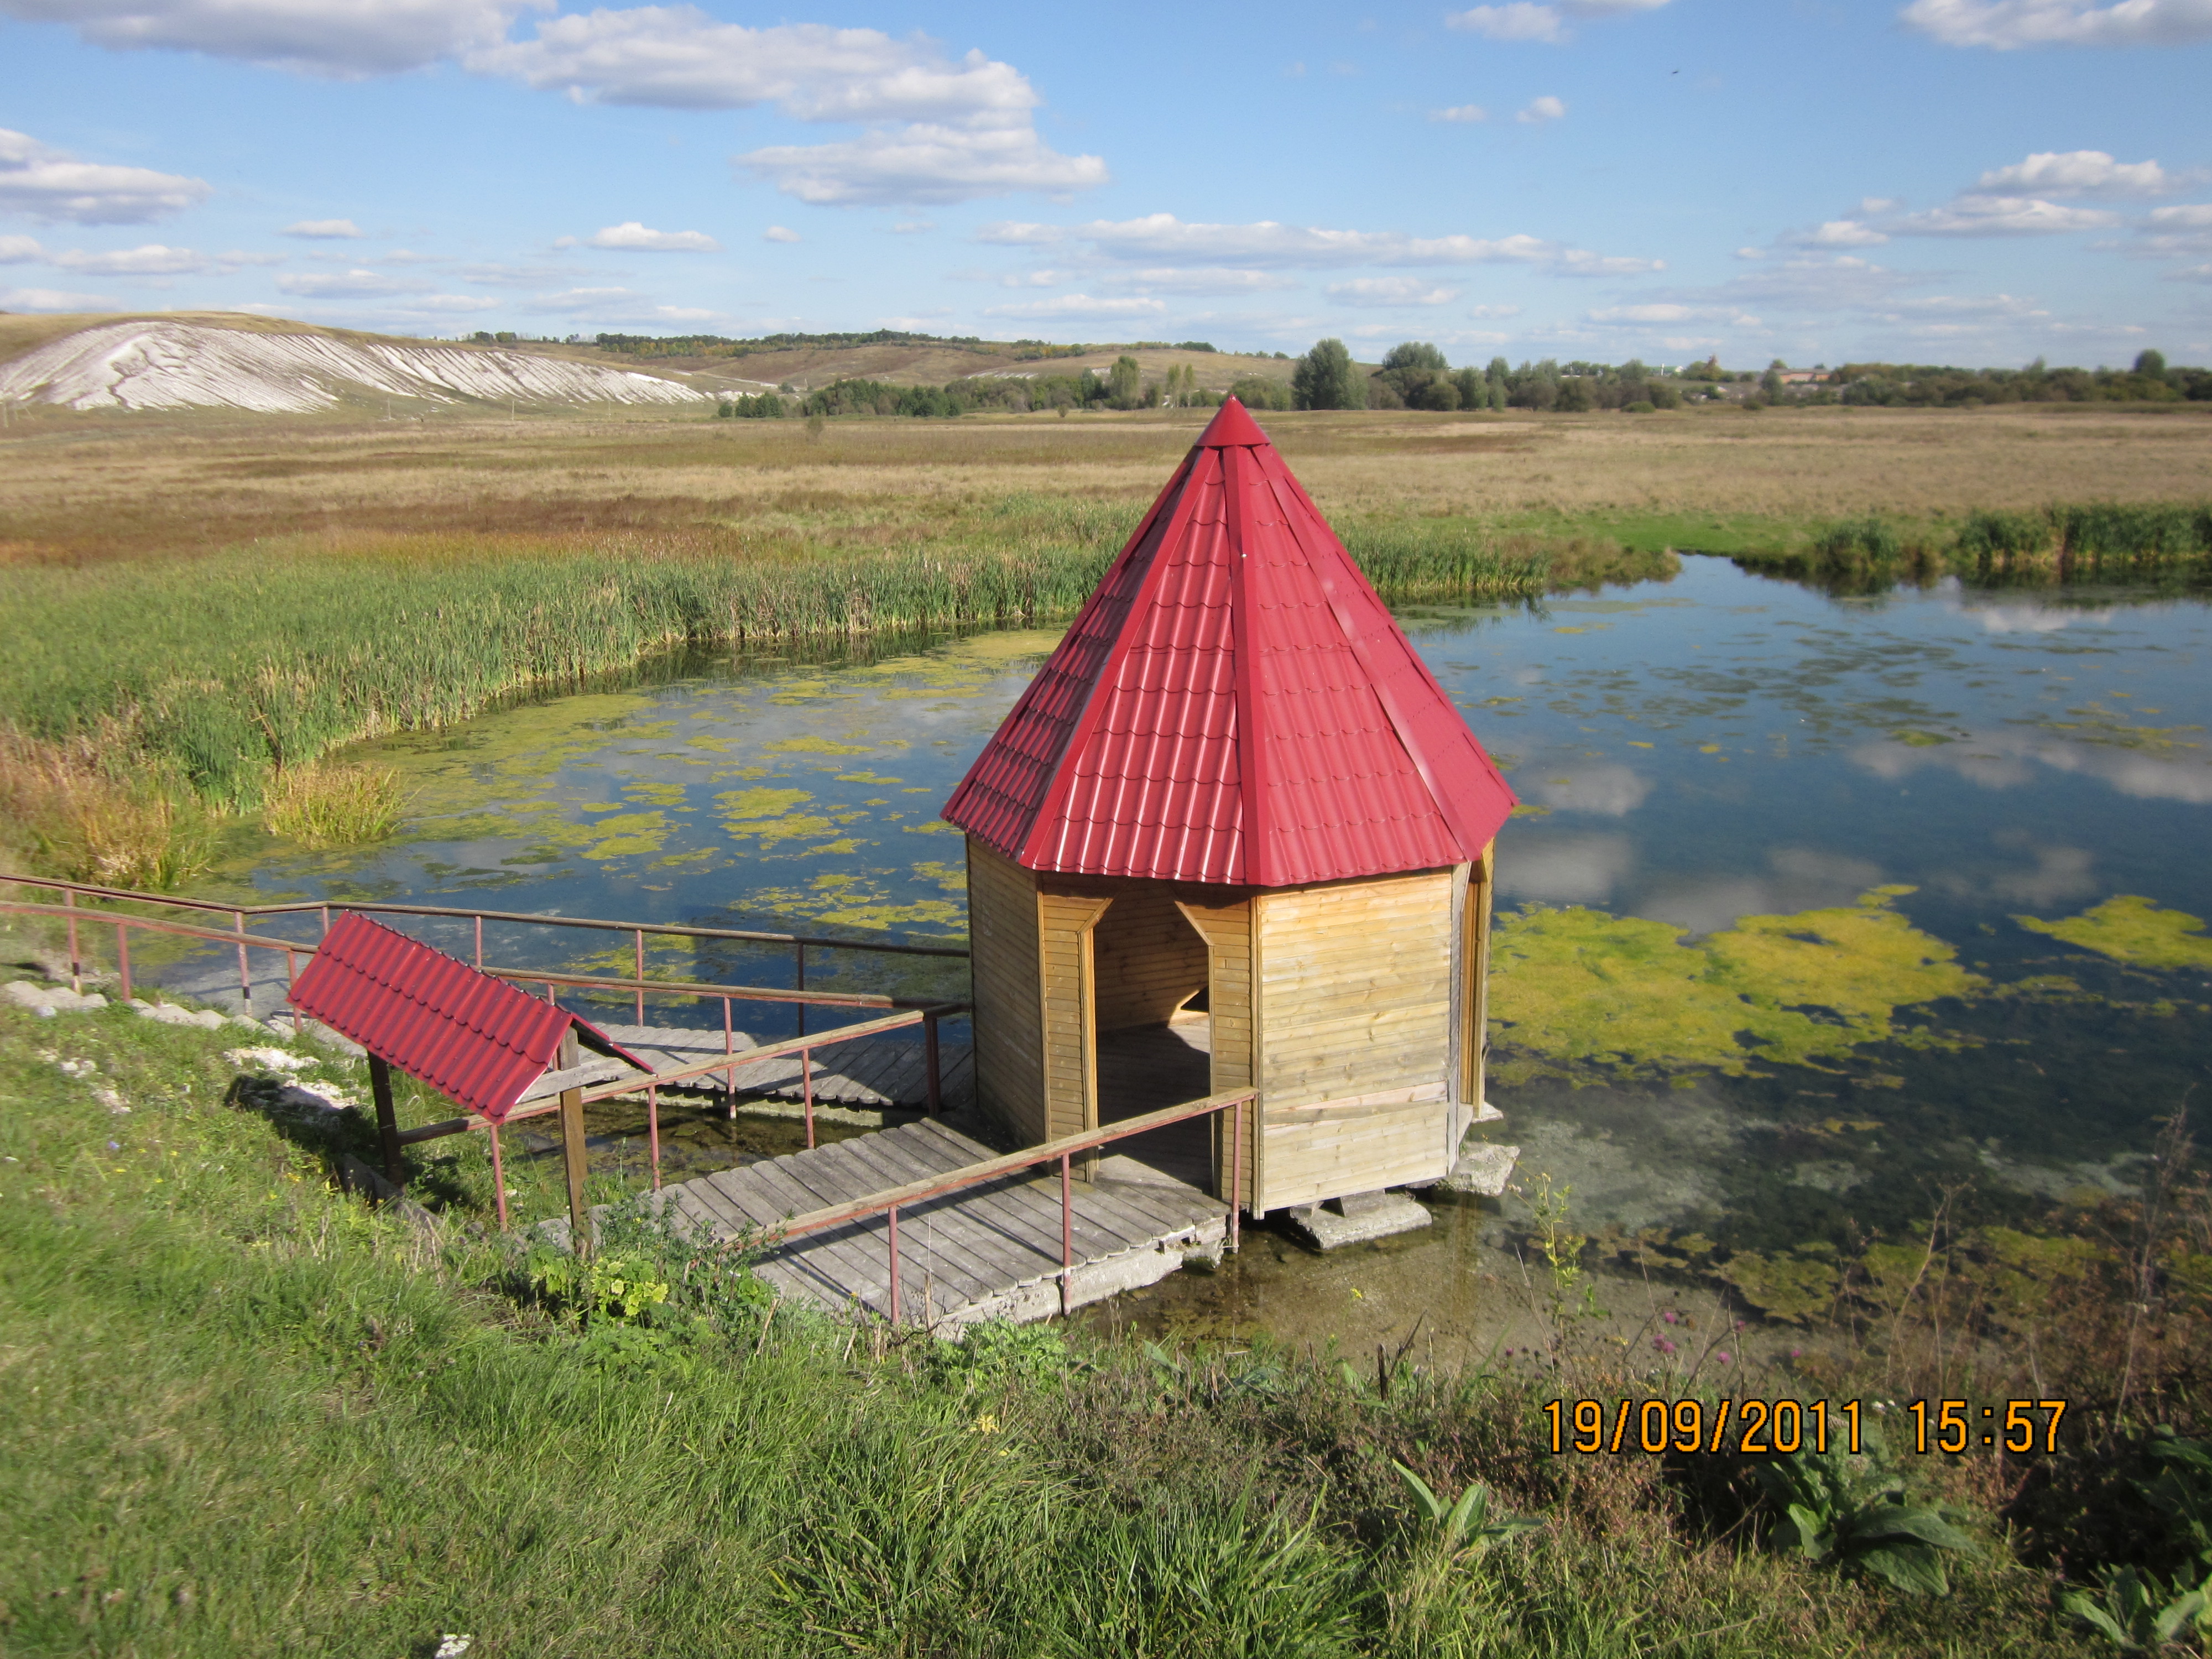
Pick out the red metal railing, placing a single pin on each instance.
(889, 1202)
(913, 1012)
(71, 891)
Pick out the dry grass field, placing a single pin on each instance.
(78, 488)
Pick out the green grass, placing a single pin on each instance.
(2096, 541)
(247, 1416)
(225, 671)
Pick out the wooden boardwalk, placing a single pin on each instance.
(884, 1073)
(985, 1252)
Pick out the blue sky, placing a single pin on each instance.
(1972, 181)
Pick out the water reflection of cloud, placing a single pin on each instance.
(1796, 878)
(1607, 788)
(2058, 876)
(1565, 869)
(2006, 760)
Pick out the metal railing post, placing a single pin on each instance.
(1066, 1237)
(1236, 1174)
(652, 1130)
(77, 960)
(640, 977)
(730, 1077)
(806, 1092)
(798, 952)
(934, 1097)
(244, 968)
(893, 1213)
(123, 958)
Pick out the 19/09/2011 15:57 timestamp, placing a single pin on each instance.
(1765, 1427)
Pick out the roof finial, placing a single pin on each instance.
(1232, 428)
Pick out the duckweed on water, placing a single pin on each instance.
(1581, 985)
(2134, 930)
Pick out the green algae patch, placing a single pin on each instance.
(626, 835)
(1794, 1289)
(2135, 930)
(1583, 985)
(818, 746)
(747, 805)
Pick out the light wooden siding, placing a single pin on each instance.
(1355, 998)
(1147, 960)
(1070, 1084)
(1311, 1155)
(1227, 929)
(1475, 1037)
(1355, 987)
(1002, 920)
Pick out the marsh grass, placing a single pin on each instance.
(83, 811)
(334, 805)
(248, 1416)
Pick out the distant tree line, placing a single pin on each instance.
(1122, 387)
(1417, 375)
(1917, 385)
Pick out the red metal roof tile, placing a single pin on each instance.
(1233, 705)
(466, 1034)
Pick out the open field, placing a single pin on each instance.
(79, 487)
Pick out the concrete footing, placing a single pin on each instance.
(1355, 1219)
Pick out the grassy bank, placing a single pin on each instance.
(2096, 541)
(247, 1416)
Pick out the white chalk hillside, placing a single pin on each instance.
(165, 365)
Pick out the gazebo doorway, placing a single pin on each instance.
(1151, 1012)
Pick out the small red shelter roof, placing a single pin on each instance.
(466, 1034)
(1235, 704)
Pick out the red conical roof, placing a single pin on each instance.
(1233, 705)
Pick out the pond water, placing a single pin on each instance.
(1946, 846)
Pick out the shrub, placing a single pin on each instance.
(1256, 392)
(1326, 378)
(335, 805)
(1641, 406)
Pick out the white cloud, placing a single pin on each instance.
(1266, 244)
(616, 304)
(1204, 279)
(949, 129)
(928, 163)
(493, 273)
(345, 39)
(1493, 311)
(442, 303)
(1461, 113)
(633, 236)
(151, 260)
(51, 185)
(52, 299)
(1391, 291)
(2078, 173)
(1546, 108)
(323, 229)
(1841, 233)
(20, 250)
(2005, 25)
(1612, 790)
(2190, 274)
(2186, 229)
(1521, 20)
(348, 284)
(912, 227)
(1079, 305)
(2003, 216)
(1811, 282)
(778, 234)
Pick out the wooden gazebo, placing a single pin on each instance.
(1235, 835)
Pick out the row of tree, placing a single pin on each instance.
(1417, 375)
(1916, 385)
(1122, 387)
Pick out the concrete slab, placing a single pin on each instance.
(1371, 1216)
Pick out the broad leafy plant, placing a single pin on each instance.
(1467, 1526)
(1842, 1511)
(2139, 1612)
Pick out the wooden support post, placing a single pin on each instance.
(479, 941)
(498, 1179)
(572, 1153)
(653, 1129)
(1236, 1174)
(387, 1122)
(929, 1061)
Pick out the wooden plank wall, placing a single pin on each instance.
(1226, 927)
(1064, 970)
(1147, 960)
(1480, 889)
(1002, 921)
(1354, 1005)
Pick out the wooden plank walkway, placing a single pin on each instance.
(985, 1252)
(879, 1072)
